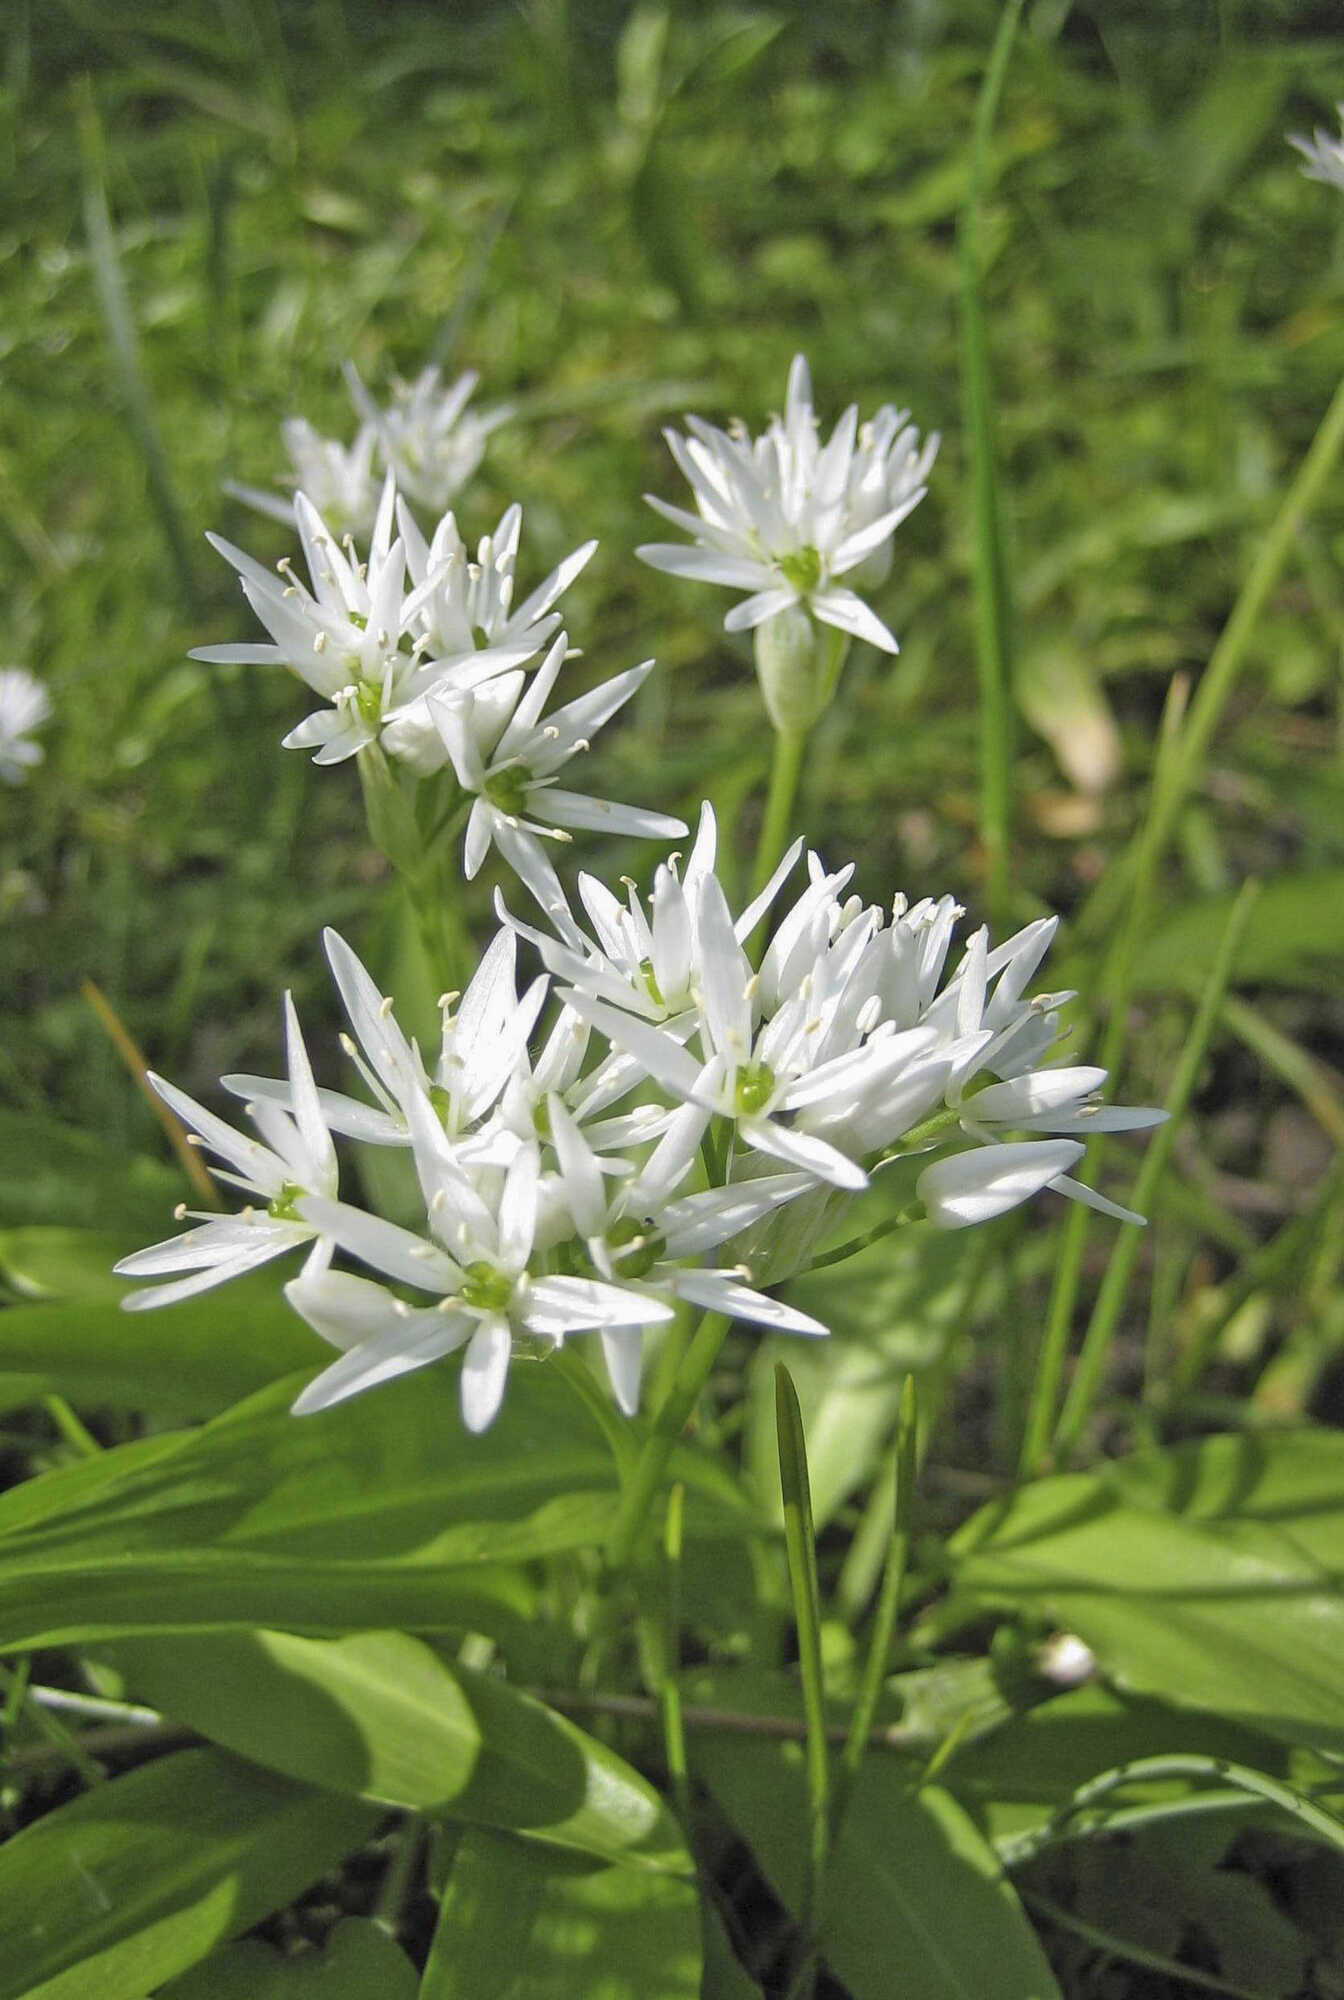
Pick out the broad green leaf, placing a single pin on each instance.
(1208, 1576)
(133, 1882)
(1297, 938)
(380, 1715)
(188, 1360)
(50, 1261)
(381, 1512)
(357, 1962)
(915, 1896)
(53, 1173)
(518, 1923)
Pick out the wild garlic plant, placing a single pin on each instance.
(675, 1112)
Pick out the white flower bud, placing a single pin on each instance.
(788, 668)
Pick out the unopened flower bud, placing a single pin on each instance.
(798, 667)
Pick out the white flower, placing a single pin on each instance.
(645, 960)
(461, 616)
(297, 1160)
(429, 440)
(338, 479)
(785, 518)
(24, 706)
(636, 1236)
(507, 757)
(1323, 152)
(477, 1263)
(349, 637)
(481, 1047)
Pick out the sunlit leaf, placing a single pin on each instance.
(521, 1924)
(131, 1883)
(380, 1715)
(1209, 1576)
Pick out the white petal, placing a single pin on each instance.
(557, 1306)
(1038, 1091)
(383, 1358)
(705, 565)
(485, 1369)
(584, 1194)
(986, 1181)
(1079, 1191)
(602, 815)
(849, 613)
(801, 1149)
(397, 1252)
(318, 1148)
(621, 1349)
(719, 1292)
(753, 611)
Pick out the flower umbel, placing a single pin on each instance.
(787, 519)
(680, 1100)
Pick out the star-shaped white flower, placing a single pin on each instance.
(350, 636)
(338, 479)
(508, 758)
(476, 1259)
(430, 441)
(786, 518)
(294, 1159)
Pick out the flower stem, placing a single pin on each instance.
(652, 1463)
(785, 767)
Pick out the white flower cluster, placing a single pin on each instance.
(1323, 152)
(420, 650)
(425, 438)
(24, 707)
(679, 1098)
(786, 518)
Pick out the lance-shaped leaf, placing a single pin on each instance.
(380, 1715)
(520, 1924)
(133, 1882)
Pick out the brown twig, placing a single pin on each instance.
(120, 1037)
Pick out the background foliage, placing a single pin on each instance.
(615, 217)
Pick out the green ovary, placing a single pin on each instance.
(635, 1247)
(507, 789)
(283, 1207)
(802, 569)
(485, 1288)
(368, 702)
(754, 1088)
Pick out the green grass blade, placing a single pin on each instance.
(800, 1544)
(888, 1604)
(120, 328)
(1111, 1297)
(993, 608)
